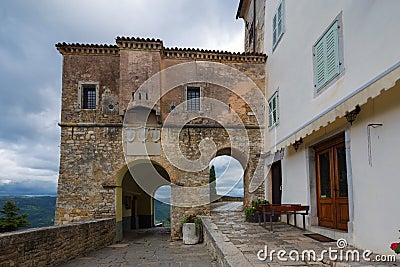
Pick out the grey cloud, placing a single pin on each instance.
(30, 66)
(21, 188)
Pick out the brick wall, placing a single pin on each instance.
(50, 246)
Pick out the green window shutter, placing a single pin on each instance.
(281, 20)
(320, 73)
(270, 122)
(326, 57)
(277, 107)
(279, 17)
(273, 115)
(332, 52)
(274, 31)
(278, 23)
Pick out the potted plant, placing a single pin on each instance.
(395, 247)
(250, 213)
(192, 229)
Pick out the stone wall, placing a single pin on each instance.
(253, 42)
(50, 246)
(92, 162)
(90, 158)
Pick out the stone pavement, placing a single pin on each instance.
(229, 239)
(147, 247)
(240, 237)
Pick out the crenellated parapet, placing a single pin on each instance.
(133, 43)
(212, 55)
(156, 45)
(88, 49)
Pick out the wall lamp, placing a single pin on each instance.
(352, 115)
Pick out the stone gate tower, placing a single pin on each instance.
(138, 113)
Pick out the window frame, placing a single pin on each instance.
(320, 87)
(275, 24)
(274, 97)
(81, 90)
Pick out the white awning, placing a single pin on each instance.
(372, 89)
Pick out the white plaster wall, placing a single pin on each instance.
(370, 39)
(377, 187)
(294, 178)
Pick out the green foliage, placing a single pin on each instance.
(40, 208)
(11, 220)
(248, 212)
(212, 174)
(257, 203)
(212, 180)
(162, 212)
(192, 218)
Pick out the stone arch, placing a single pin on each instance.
(248, 169)
(141, 115)
(134, 206)
(234, 153)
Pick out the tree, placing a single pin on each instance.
(10, 220)
(212, 180)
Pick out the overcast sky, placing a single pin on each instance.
(30, 66)
(229, 174)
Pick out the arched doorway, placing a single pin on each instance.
(162, 206)
(229, 174)
(135, 195)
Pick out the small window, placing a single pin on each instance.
(278, 26)
(193, 98)
(89, 96)
(326, 57)
(273, 113)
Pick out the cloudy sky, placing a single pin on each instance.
(229, 174)
(30, 66)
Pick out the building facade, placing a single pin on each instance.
(333, 93)
(137, 115)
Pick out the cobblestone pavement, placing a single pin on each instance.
(147, 247)
(249, 238)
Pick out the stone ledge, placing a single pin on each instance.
(220, 247)
(89, 124)
(54, 245)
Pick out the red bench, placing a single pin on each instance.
(277, 209)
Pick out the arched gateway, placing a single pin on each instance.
(137, 116)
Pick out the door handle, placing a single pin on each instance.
(280, 188)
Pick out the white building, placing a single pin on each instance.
(334, 111)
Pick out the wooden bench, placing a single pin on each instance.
(276, 209)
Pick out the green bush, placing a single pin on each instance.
(248, 212)
(257, 203)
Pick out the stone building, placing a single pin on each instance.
(137, 115)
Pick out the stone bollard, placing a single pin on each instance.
(190, 236)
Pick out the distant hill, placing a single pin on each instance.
(161, 212)
(40, 209)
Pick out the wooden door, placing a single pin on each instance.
(276, 182)
(332, 189)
